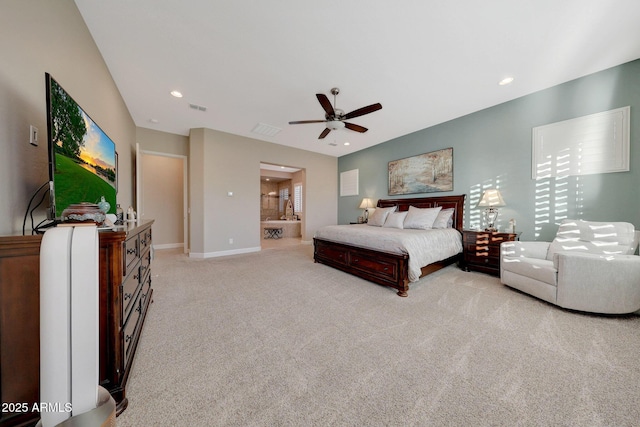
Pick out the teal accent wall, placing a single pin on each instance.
(492, 149)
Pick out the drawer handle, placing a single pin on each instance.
(127, 296)
(136, 276)
(386, 269)
(138, 309)
(131, 251)
(356, 260)
(143, 241)
(128, 338)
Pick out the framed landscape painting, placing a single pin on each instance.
(426, 173)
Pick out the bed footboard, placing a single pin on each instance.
(384, 268)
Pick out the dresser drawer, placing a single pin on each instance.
(130, 330)
(145, 262)
(145, 291)
(131, 254)
(130, 289)
(145, 240)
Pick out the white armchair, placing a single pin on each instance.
(589, 266)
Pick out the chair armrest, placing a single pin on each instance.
(519, 249)
(597, 282)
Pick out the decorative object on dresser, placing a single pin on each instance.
(392, 268)
(426, 173)
(491, 199)
(482, 250)
(366, 204)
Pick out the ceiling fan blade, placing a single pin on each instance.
(362, 111)
(357, 128)
(326, 104)
(300, 122)
(324, 133)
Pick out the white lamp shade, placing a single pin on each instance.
(366, 203)
(491, 198)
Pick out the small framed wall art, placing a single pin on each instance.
(425, 173)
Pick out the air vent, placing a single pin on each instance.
(266, 130)
(197, 107)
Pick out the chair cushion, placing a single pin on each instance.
(593, 237)
(535, 268)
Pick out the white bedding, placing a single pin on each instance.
(424, 247)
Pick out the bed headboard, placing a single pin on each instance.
(455, 202)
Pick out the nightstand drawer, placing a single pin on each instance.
(482, 250)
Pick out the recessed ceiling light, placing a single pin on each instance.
(154, 121)
(506, 81)
(176, 93)
(347, 143)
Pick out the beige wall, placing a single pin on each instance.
(38, 36)
(222, 163)
(163, 198)
(162, 142)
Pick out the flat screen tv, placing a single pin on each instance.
(82, 158)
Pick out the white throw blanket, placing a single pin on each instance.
(424, 247)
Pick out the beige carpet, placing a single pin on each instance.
(272, 339)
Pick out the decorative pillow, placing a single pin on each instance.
(593, 237)
(444, 219)
(395, 220)
(380, 216)
(421, 219)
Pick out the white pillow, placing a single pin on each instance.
(380, 216)
(395, 219)
(421, 219)
(444, 219)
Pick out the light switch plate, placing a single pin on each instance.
(33, 135)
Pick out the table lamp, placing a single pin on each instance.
(491, 199)
(366, 204)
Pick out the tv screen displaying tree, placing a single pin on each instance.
(82, 157)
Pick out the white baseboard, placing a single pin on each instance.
(223, 253)
(169, 246)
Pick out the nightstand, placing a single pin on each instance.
(481, 250)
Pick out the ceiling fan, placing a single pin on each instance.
(335, 118)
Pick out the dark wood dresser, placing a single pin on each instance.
(125, 295)
(481, 250)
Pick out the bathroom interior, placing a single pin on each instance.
(281, 212)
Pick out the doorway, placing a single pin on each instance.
(163, 198)
(282, 195)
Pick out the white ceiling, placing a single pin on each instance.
(425, 61)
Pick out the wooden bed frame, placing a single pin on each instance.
(386, 268)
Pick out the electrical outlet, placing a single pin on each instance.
(231, 241)
(33, 135)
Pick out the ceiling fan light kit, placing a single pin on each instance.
(335, 118)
